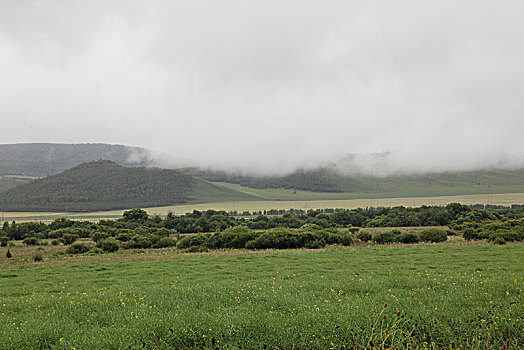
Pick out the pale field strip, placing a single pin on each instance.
(506, 199)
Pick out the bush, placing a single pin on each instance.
(4, 241)
(165, 242)
(470, 234)
(30, 241)
(124, 236)
(364, 236)
(77, 248)
(506, 236)
(193, 241)
(353, 229)
(231, 239)
(408, 238)
(55, 242)
(99, 236)
(108, 245)
(138, 242)
(433, 235)
(8, 254)
(37, 257)
(384, 237)
(69, 238)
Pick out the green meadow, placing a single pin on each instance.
(437, 296)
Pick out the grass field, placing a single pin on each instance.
(437, 296)
(240, 206)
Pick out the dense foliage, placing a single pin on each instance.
(100, 185)
(218, 230)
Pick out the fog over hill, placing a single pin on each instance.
(266, 87)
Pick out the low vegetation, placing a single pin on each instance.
(458, 297)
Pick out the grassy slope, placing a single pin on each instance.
(207, 192)
(286, 299)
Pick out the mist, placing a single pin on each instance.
(265, 87)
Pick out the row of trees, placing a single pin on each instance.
(136, 229)
(455, 215)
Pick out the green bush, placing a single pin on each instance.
(193, 241)
(69, 238)
(470, 234)
(384, 238)
(165, 242)
(364, 236)
(55, 242)
(138, 242)
(77, 248)
(37, 257)
(108, 245)
(433, 235)
(3, 241)
(231, 239)
(506, 236)
(408, 238)
(30, 241)
(99, 236)
(124, 236)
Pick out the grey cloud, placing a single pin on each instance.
(270, 86)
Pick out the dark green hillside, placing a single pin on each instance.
(105, 185)
(41, 159)
(100, 185)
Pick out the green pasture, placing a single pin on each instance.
(437, 297)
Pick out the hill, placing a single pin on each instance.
(42, 159)
(105, 185)
(326, 180)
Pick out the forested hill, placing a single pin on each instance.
(329, 180)
(41, 159)
(100, 185)
(316, 180)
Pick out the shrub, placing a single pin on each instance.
(353, 229)
(108, 245)
(55, 242)
(37, 257)
(433, 235)
(470, 234)
(30, 241)
(165, 242)
(384, 237)
(396, 231)
(193, 241)
(231, 239)
(8, 254)
(124, 236)
(3, 241)
(138, 242)
(408, 238)
(77, 248)
(364, 236)
(506, 236)
(69, 238)
(99, 236)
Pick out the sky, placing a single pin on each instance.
(269, 86)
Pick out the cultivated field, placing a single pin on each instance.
(240, 206)
(437, 296)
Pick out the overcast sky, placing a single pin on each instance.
(270, 85)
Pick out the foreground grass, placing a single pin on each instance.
(441, 296)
